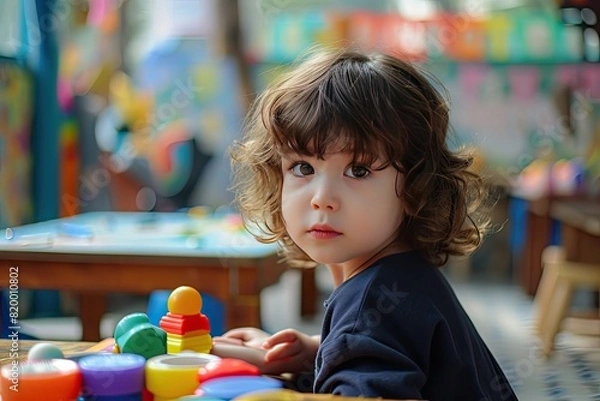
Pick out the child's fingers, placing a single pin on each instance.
(282, 352)
(254, 356)
(240, 334)
(250, 337)
(283, 336)
(228, 340)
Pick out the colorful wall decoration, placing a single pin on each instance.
(509, 111)
(501, 71)
(205, 96)
(193, 113)
(522, 36)
(15, 154)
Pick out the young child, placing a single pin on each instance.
(345, 163)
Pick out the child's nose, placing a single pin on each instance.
(325, 198)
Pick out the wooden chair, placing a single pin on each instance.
(560, 278)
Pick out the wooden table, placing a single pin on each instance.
(103, 252)
(539, 222)
(537, 237)
(7, 348)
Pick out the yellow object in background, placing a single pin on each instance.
(134, 108)
(499, 27)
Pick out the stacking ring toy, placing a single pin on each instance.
(172, 376)
(106, 376)
(51, 379)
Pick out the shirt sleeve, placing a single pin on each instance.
(358, 365)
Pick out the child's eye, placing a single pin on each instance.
(301, 169)
(357, 172)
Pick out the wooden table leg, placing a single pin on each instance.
(92, 307)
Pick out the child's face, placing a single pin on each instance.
(339, 213)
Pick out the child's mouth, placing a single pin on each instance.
(324, 234)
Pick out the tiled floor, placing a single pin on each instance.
(501, 312)
(504, 317)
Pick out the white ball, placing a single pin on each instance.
(41, 351)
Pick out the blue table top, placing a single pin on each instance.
(138, 233)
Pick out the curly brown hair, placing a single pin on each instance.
(382, 108)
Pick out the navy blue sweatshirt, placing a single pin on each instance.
(397, 330)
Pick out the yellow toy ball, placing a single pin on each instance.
(185, 300)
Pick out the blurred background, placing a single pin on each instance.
(130, 105)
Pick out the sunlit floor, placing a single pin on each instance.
(501, 313)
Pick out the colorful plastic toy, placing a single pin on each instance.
(135, 335)
(135, 365)
(290, 395)
(171, 376)
(186, 327)
(52, 380)
(41, 351)
(226, 367)
(124, 372)
(228, 388)
(45, 351)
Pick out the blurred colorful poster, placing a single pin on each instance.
(15, 157)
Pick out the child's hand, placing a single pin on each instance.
(287, 351)
(255, 356)
(290, 351)
(247, 336)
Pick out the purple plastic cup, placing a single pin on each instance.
(112, 374)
